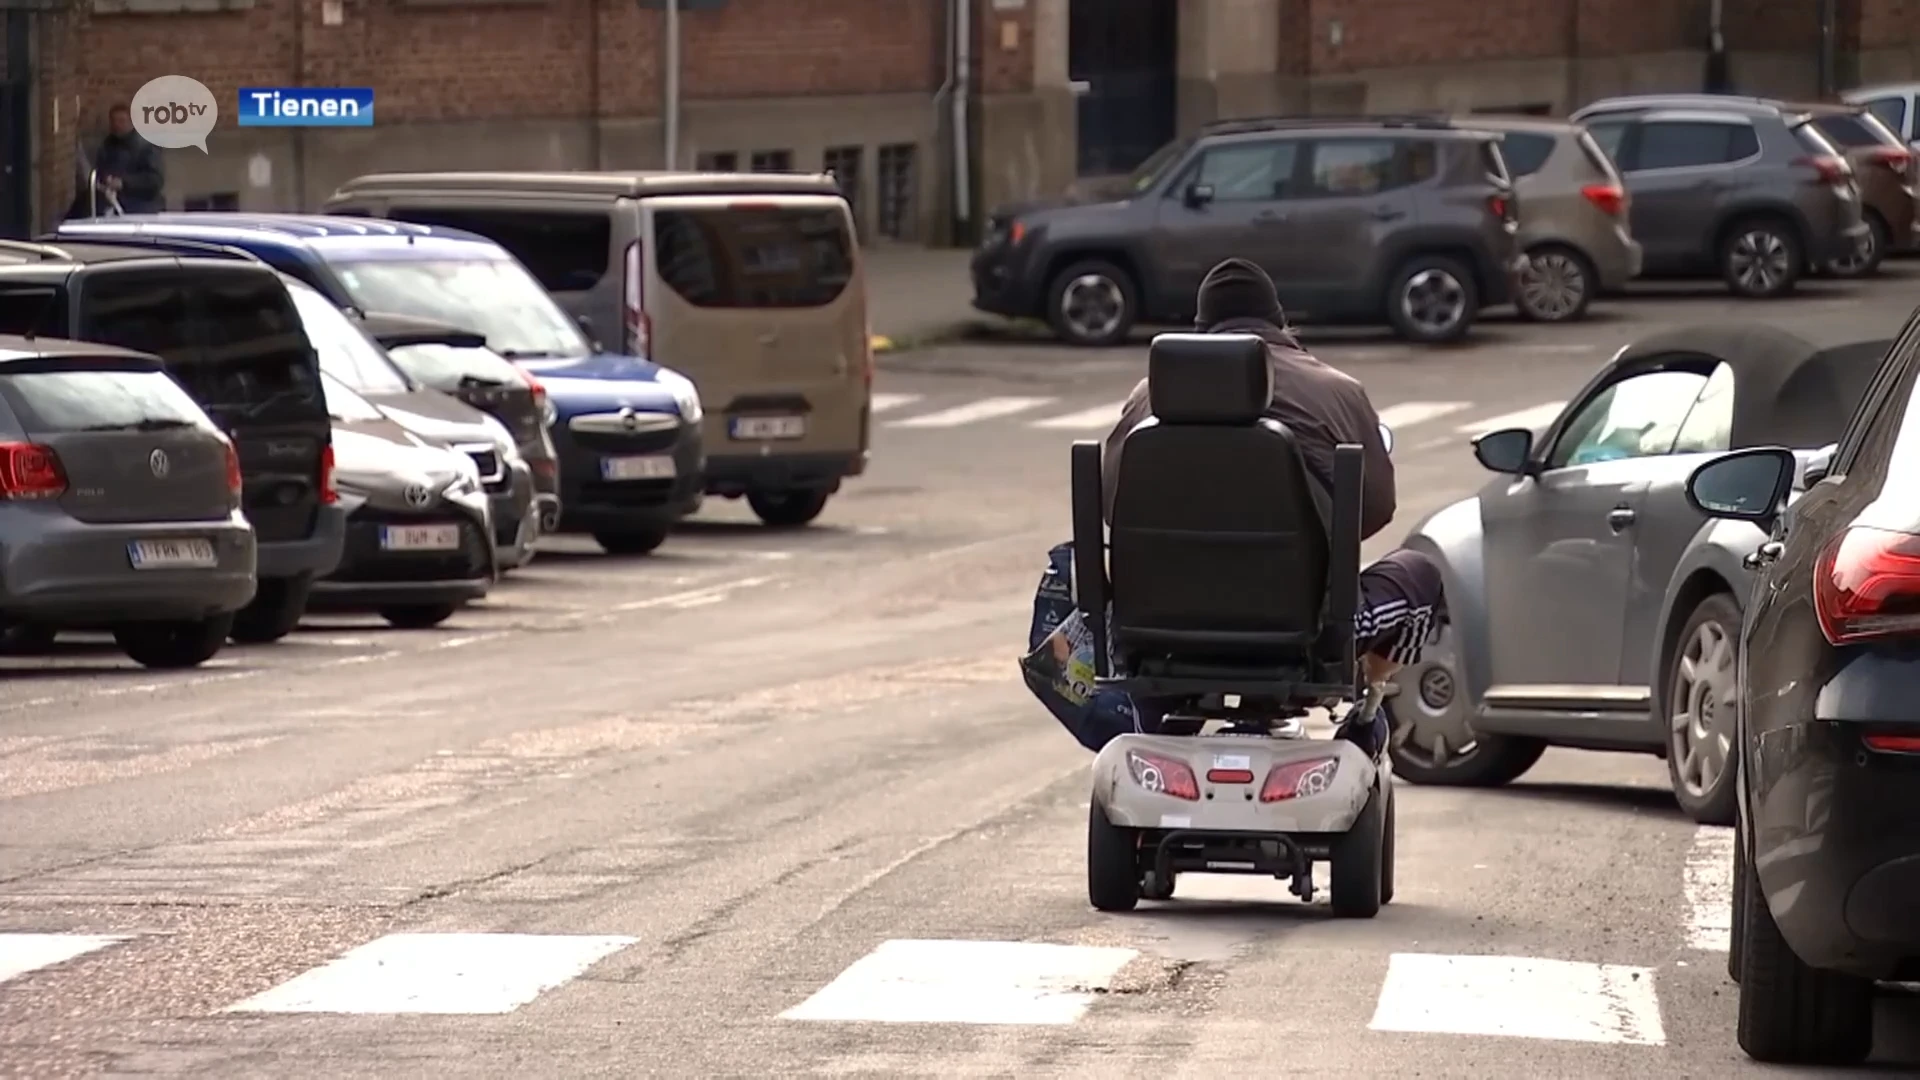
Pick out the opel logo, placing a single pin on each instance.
(157, 461)
(418, 495)
(628, 419)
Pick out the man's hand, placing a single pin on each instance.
(112, 183)
(1378, 669)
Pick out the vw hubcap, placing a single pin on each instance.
(1430, 723)
(1702, 703)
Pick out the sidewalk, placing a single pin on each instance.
(917, 295)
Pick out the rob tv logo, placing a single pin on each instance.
(174, 112)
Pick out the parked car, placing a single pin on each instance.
(1742, 188)
(1573, 216)
(1591, 606)
(229, 335)
(119, 504)
(1409, 221)
(1897, 105)
(632, 462)
(458, 362)
(1885, 169)
(419, 525)
(349, 355)
(1826, 852)
(750, 284)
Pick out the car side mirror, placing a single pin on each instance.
(1505, 451)
(1819, 465)
(1199, 195)
(1386, 437)
(1746, 485)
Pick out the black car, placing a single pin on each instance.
(1826, 895)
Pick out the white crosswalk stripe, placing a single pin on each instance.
(973, 412)
(1409, 413)
(1532, 418)
(1097, 418)
(883, 402)
(21, 953)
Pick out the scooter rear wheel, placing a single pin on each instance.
(1357, 877)
(1386, 847)
(1113, 862)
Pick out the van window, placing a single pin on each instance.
(90, 395)
(776, 257)
(345, 352)
(492, 296)
(565, 250)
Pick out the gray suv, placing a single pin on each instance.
(1738, 187)
(1409, 221)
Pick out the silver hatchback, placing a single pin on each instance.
(119, 504)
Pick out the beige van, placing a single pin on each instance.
(750, 284)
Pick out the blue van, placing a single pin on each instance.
(626, 430)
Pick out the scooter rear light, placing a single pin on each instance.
(1163, 775)
(1298, 779)
(1229, 776)
(1893, 744)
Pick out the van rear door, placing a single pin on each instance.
(759, 300)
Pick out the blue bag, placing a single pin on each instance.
(1058, 668)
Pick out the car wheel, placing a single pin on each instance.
(1433, 300)
(273, 613)
(27, 639)
(1434, 741)
(417, 616)
(787, 509)
(1092, 302)
(180, 644)
(1739, 906)
(1865, 260)
(1760, 258)
(1791, 1013)
(1699, 708)
(633, 542)
(1557, 285)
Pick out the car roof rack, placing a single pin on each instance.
(177, 244)
(1428, 120)
(37, 248)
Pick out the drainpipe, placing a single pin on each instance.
(962, 96)
(1719, 74)
(670, 98)
(946, 84)
(1828, 16)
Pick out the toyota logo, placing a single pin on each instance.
(418, 495)
(157, 461)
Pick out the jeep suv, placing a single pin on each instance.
(226, 331)
(1409, 221)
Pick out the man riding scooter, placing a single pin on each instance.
(1401, 600)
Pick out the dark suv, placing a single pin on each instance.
(229, 335)
(1406, 220)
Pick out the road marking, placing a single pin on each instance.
(1409, 413)
(880, 403)
(966, 982)
(469, 639)
(1533, 419)
(1709, 889)
(692, 597)
(21, 953)
(1100, 416)
(1519, 997)
(973, 412)
(444, 974)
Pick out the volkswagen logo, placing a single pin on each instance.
(418, 495)
(628, 419)
(157, 461)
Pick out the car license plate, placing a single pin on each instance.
(650, 467)
(171, 554)
(769, 427)
(420, 537)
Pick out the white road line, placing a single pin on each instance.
(1708, 885)
(973, 412)
(692, 597)
(1519, 997)
(1533, 419)
(445, 974)
(21, 953)
(880, 403)
(1100, 416)
(966, 982)
(1409, 413)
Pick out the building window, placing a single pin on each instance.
(217, 200)
(771, 161)
(897, 174)
(717, 161)
(843, 163)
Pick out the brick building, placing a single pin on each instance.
(1050, 89)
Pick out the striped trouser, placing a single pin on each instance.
(1402, 607)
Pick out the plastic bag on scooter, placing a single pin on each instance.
(1058, 668)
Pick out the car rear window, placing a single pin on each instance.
(1493, 160)
(1814, 140)
(739, 257)
(1848, 132)
(566, 251)
(1526, 151)
(65, 394)
(1590, 148)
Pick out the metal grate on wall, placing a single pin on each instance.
(843, 163)
(896, 171)
(771, 161)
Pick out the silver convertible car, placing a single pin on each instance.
(1592, 607)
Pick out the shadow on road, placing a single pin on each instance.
(1604, 796)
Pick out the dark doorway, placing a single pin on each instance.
(1124, 52)
(16, 128)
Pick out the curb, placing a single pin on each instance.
(919, 339)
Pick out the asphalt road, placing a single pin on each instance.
(773, 803)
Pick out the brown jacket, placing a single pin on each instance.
(1321, 405)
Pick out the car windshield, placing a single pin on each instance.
(492, 296)
(448, 367)
(345, 353)
(344, 404)
(1149, 171)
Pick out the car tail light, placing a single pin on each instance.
(1893, 744)
(236, 481)
(1497, 206)
(1832, 170)
(542, 404)
(1297, 779)
(635, 324)
(328, 493)
(1609, 199)
(1867, 585)
(1163, 775)
(30, 471)
(1893, 158)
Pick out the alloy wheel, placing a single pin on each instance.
(1701, 739)
(1434, 300)
(1553, 286)
(1759, 261)
(1092, 305)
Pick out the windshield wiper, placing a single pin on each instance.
(151, 423)
(270, 401)
(471, 382)
(527, 354)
